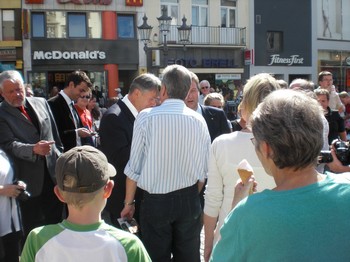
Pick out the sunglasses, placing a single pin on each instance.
(87, 97)
(204, 87)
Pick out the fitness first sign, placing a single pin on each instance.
(288, 61)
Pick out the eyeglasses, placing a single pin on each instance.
(253, 140)
(204, 87)
(87, 97)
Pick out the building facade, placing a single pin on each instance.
(215, 50)
(98, 37)
(11, 50)
(299, 39)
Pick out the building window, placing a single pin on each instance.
(274, 41)
(56, 25)
(228, 13)
(8, 25)
(38, 25)
(200, 12)
(173, 10)
(62, 25)
(126, 26)
(77, 25)
(95, 25)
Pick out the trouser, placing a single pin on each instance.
(11, 247)
(171, 225)
(41, 210)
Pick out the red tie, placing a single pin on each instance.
(24, 112)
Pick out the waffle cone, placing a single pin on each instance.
(245, 175)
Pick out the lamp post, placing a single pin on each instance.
(164, 20)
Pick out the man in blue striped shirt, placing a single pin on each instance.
(169, 155)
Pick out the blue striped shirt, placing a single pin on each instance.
(170, 148)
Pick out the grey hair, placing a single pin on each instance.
(290, 123)
(145, 82)
(10, 75)
(177, 81)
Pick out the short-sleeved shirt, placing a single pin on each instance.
(71, 242)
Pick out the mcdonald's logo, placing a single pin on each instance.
(134, 2)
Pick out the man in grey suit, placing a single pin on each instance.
(29, 136)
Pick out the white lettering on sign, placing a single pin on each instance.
(81, 55)
(293, 59)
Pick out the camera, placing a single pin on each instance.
(342, 151)
(24, 195)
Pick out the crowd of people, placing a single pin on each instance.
(166, 156)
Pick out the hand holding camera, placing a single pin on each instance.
(22, 193)
(342, 152)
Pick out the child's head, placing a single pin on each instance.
(81, 174)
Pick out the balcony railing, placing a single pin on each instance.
(210, 35)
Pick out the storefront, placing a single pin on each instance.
(338, 63)
(53, 59)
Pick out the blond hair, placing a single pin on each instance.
(77, 200)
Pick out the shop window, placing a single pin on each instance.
(77, 25)
(228, 13)
(8, 25)
(38, 25)
(126, 26)
(38, 81)
(200, 12)
(274, 41)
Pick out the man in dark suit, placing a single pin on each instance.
(70, 128)
(214, 117)
(29, 136)
(116, 130)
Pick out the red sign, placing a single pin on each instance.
(34, 1)
(134, 2)
(85, 2)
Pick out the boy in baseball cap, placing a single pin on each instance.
(83, 183)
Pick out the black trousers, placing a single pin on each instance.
(11, 247)
(41, 210)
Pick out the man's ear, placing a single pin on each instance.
(58, 194)
(108, 189)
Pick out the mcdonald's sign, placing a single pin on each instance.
(134, 2)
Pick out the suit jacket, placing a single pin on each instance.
(64, 121)
(18, 136)
(116, 130)
(216, 121)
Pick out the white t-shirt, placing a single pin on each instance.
(8, 206)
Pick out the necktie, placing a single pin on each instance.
(75, 115)
(24, 112)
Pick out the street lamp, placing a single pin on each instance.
(164, 20)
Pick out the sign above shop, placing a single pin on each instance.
(227, 76)
(289, 61)
(85, 2)
(205, 63)
(7, 54)
(82, 55)
(134, 2)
